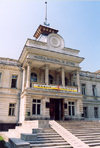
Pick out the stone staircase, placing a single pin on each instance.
(86, 131)
(26, 127)
(48, 138)
(45, 138)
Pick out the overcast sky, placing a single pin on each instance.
(78, 23)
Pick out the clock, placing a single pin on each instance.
(55, 41)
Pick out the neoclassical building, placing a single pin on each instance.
(46, 82)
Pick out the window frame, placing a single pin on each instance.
(96, 112)
(71, 108)
(36, 103)
(94, 90)
(51, 78)
(12, 108)
(14, 87)
(35, 76)
(83, 88)
(85, 109)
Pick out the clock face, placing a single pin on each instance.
(55, 41)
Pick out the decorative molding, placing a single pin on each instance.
(49, 59)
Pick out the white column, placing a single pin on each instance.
(23, 83)
(28, 76)
(78, 81)
(63, 76)
(46, 75)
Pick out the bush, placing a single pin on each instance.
(2, 143)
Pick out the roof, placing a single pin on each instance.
(44, 31)
(98, 72)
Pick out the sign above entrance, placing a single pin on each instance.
(54, 87)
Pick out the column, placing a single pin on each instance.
(46, 74)
(63, 76)
(78, 81)
(23, 83)
(28, 75)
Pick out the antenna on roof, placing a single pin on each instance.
(45, 23)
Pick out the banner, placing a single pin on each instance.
(59, 88)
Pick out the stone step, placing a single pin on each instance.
(89, 134)
(40, 134)
(44, 136)
(47, 141)
(80, 130)
(61, 146)
(49, 144)
(93, 141)
(94, 144)
(50, 138)
(90, 138)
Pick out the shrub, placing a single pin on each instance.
(2, 143)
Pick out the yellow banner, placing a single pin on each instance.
(59, 88)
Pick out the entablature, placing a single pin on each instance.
(89, 75)
(53, 64)
(43, 50)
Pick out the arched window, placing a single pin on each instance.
(50, 79)
(66, 81)
(33, 77)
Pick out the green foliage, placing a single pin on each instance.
(2, 142)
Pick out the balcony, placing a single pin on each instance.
(58, 88)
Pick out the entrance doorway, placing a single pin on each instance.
(56, 109)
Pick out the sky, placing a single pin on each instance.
(78, 22)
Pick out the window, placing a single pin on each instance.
(47, 104)
(96, 112)
(83, 86)
(14, 81)
(36, 107)
(94, 90)
(50, 79)
(85, 112)
(71, 108)
(66, 81)
(11, 109)
(33, 77)
(65, 106)
(74, 84)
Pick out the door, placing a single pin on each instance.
(56, 109)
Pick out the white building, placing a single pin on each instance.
(46, 82)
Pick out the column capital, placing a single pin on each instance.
(29, 63)
(24, 67)
(46, 65)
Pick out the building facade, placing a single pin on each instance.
(46, 82)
